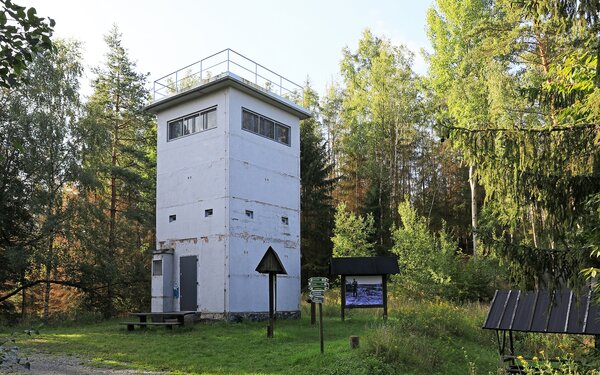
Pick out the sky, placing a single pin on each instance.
(296, 39)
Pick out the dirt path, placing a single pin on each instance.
(46, 364)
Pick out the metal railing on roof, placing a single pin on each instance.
(222, 63)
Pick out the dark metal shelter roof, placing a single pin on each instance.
(364, 266)
(542, 311)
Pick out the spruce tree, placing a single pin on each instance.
(119, 159)
(315, 194)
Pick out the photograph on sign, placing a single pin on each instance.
(364, 291)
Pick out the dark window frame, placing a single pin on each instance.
(260, 120)
(157, 267)
(200, 123)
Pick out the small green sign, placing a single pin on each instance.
(316, 299)
(318, 283)
(316, 293)
(317, 287)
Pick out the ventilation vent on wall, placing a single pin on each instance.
(172, 218)
(250, 214)
(208, 212)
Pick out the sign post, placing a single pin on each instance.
(271, 264)
(317, 287)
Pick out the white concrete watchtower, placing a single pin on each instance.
(228, 187)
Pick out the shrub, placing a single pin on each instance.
(351, 234)
(432, 265)
(424, 337)
(543, 365)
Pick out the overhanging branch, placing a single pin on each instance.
(526, 130)
(36, 282)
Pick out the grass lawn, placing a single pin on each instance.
(417, 339)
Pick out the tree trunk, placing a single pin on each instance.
(48, 278)
(49, 214)
(23, 297)
(533, 229)
(113, 214)
(546, 67)
(473, 185)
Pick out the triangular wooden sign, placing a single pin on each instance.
(270, 263)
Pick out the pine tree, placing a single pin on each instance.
(315, 193)
(119, 158)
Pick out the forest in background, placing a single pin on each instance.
(485, 172)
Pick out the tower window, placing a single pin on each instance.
(192, 123)
(284, 220)
(157, 267)
(208, 212)
(172, 218)
(250, 121)
(265, 127)
(250, 214)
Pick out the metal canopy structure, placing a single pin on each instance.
(562, 311)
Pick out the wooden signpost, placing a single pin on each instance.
(317, 287)
(271, 264)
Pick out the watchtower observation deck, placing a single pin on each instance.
(209, 73)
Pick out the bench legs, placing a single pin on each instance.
(131, 327)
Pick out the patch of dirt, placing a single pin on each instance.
(48, 364)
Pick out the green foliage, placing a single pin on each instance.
(351, 234)
(592, 235)
(38, 157)
(431, 338)
(368, 365)
(556, 352)
(517, 80)
(554, 366)
(242, 348)
(315, 192)
(23, 34)
(115, 216)
(431, 264)
(379, 132)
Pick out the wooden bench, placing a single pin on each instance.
(164, 319)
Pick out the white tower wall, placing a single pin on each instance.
(230, 171)
(191, 178)
(264, 177)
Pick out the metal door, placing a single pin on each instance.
(188, 282)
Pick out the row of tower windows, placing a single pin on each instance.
(261, 125)
(194, 123)
(207, 119)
